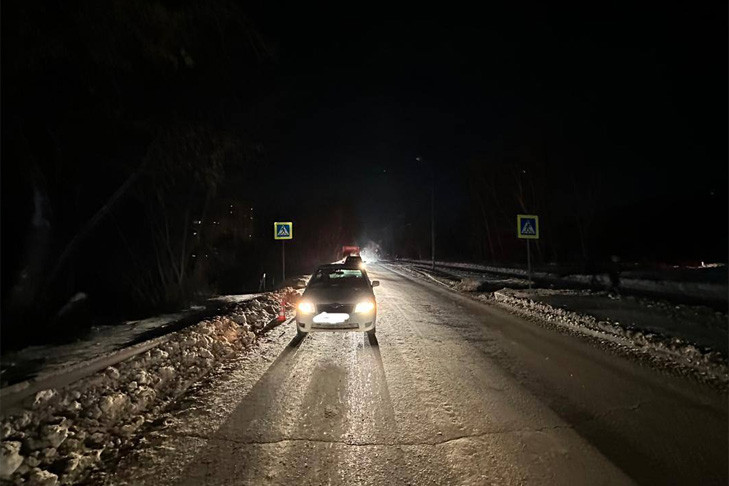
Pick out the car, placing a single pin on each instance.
(338, 297)
(355, 261)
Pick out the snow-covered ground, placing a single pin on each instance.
(59, 435)
(40, 361)
(692, 337)
(161, 452)
(703, 285)
(696, 324)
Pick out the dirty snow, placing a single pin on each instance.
(39, 361)
(706, 284)
(706, 363)
(234, 298)
(697, 324)
(168, 445)
(61, 435)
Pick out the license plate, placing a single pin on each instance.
(333, 318)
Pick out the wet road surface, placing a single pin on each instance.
(457, 392)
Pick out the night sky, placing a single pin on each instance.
(636, 95)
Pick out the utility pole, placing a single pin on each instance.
(529, 266)
(432, 213)
(432, 219)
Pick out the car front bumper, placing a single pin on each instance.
(336, 322)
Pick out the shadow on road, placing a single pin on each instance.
(381, 381)
(373, 341)
(294, 343)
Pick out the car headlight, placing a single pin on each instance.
(364, 307)
(306, 307)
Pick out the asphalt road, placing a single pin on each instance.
(457, 392)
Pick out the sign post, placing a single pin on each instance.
(283, 232)
(527, 227)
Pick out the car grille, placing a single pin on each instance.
(335, 308)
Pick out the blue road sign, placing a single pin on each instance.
(283, 231)
(527, 226)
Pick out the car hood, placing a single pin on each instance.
(339, 295)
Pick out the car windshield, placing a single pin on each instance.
(338, 277)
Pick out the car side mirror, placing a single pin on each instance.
(375, 283)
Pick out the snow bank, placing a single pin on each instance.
(629, 281)
(61, 434)
(708, 363)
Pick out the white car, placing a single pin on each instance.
(339, 297)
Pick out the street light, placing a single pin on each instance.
(432, 213)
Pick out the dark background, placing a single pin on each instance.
(124, 123)
(617, 115)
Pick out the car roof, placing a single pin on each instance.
(343, 266)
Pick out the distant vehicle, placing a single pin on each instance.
(349, 250)
(354, 261)
(339, 297)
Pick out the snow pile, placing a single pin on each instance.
(467, 285)
(61, 434)
(708, 363)
(655, 283)
(466, 280)
(40, 362)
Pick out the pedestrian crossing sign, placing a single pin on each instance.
(283, 231)
(527, 226)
